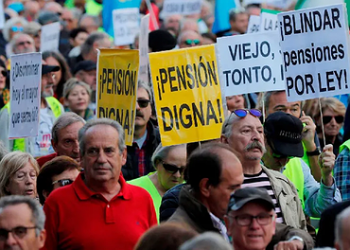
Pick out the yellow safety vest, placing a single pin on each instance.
(345, 145)
(294, 172)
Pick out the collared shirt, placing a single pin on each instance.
(140, 153)
(342, 173)
(79, 218)
(219, 226)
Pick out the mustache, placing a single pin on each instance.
(256, 144)
(138, 113)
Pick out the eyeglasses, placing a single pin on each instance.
(17, 29)
(172, 168)
(18, 232)
(244, 112)
(143, 103)
(247, 219)
(327, 119)
(4, 73)
(63, 182)
(24, 43)
(192, 42)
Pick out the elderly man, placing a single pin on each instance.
(68, 19)
(283, 140)
(89, 22)
(213, 173)
(64, 137)
(146, 137)
(50, 110)
(342, 228)
(188, 39)
(21, 223)
(238, 22)
(22, 43)
(172, 23)
(107, 213)
(251, 222)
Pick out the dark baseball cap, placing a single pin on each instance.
(161, 40)
(49, 68)
(284, 134)
(245, 195)
(85, 66)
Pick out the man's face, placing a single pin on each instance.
(231, 180)
(68, 143)
(247, 138)
(67, 17)
(89, 24)
(15, 216)
(89, 77)
(191, 39)
(47, 83)
(142, 113)
(272, 160)
(253, 236)
(23, 44)
(173, 23)
(241, 23)
(278, 102)
(102, 160)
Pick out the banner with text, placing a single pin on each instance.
(268, 20)
(314, 44)
(117, 88)
(143, 49)
(50, 36)
(187, 94)
(181, 7)
(126, 25)
(250, 63)
(254, 24)
(25, 95)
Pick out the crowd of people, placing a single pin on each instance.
(277, 178)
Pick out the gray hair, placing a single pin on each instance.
(94, 18)
(8, 25)
(88, 45)
(183, 21)
(145, 86)
(162, 152)
(206, 241)
(38, 215)
(226, 128)
(14, 41)
(101, 121)
(71, 84)
(234, 12)
(64, 121)
(339, 224)
(3, 150)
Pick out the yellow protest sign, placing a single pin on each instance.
(117, 88)
(187, 94)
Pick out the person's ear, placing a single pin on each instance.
(223, 139)
(42, 238)
(124, 156)
(227, 224)
(45, 194)
(204, 187)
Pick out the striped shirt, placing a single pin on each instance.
(261, 180)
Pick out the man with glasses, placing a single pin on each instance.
(146, 137)
(251, 222)
(22, 43)
(188, 39)
(21, 223)
(283, 140)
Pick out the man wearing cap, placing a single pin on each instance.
(50, 110)
(251, 222)
(283, 140)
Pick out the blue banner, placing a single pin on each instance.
(222, 12)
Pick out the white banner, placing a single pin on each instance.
(254, 24)
(50, 36)
(2, 14)
(314, 44)
(181, 7)
(268, 21)
(25, 95)
(282, 4)
(250, 63)
(126, 25)
(143, 49)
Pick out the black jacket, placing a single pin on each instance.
(130, 169)
(170, 202)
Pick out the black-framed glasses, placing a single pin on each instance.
(327, 119)
(143, 103)
(4, 73)
(247, 219)
(172, 168)
(63, 182)
(18, 232)
(192, 41)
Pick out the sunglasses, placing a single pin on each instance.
(327, 119)
(191, 42)
(17, 232)
(172, 168)
(4, 73)
(17, 29)
(244, 112)
(143, 103)
(63, 182)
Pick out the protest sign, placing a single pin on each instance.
(187, 94)
(280, 4)
(50, 36)
(250, 63)
(143, 49)
(126, 25)
(181, 7)
(117, 88)
(253, 25)
(314, 44)
(268, 20)
(25, 95)
(2, 14)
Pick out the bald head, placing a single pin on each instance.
(53, 7)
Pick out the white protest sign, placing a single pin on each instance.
(268, 20)
(143, 49)
(50, 36)
(126, 25)
(314, 44)
(253, 25)
(2, 15)
(250, 63)
(181, 7)
(282, 4)
(25, 95)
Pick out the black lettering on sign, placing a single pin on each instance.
(124, 117)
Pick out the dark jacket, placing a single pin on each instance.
(170, 202)
(130, 169)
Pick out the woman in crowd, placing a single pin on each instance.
(333, 119)
(18, 173)
(60, 171)
(169, 163)
(4, 92)
(77, 98)
(235, 102)
(61, 76)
